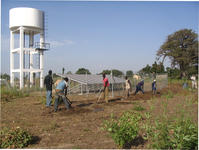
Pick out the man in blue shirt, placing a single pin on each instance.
(154, 87)
(140, 87)
(61, 91)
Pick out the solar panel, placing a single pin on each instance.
(91, 79)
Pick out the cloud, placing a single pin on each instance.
(62, 43)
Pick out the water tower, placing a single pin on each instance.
(27, 22)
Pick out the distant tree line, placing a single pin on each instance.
(156, 68)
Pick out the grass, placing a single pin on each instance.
(168, 95)
(138, 108)
(51, 127)
(11, 93)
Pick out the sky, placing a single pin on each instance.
(104, 34)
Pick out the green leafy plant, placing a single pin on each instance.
(14, 138)
(184, 135)
(138, 108)
(125, 129)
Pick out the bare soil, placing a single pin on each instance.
(80, 127)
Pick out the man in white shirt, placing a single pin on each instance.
(128, 87)
(193, 81)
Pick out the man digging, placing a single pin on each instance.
(60, 93)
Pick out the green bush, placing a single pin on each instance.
(172, 134)
(138, 108)
(14, 138)
(184, 135)
(125, 129)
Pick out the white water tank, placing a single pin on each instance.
(26, 17)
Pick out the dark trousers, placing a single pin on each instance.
(138, 88)
(64, 98)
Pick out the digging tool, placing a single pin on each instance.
(100, 95)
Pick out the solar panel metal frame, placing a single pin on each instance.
(91, 79)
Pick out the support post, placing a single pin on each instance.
(42, 60)
(21, 46)
(69, 86)
(11, 58)
(31, 41)
(81, 89)
(112, 82)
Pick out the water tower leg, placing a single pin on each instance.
(41, 60)
(21, 46)
(31, 58)
(11, 59)
(42, 70)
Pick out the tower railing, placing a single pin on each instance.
(41, 46)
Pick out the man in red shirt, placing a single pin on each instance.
(106, 85)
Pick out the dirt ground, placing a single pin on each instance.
(80, 127)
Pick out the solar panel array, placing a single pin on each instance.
(91, 78)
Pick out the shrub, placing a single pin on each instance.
(138, 108)
(125, 129)
(14, 138)
(172, 134)
(184, 135)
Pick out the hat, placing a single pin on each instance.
(154, 80)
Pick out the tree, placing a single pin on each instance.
(173, 72)
(5, 76)
(145, 70)
(160, 68)
(129, 73)
(69, 72)
(181, 48)
(115, 72)
(83, 71)
(154, 67)
(106, 72)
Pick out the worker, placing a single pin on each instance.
(139, 87)
(60, 93)
(48, 82)
(106, 85)
(193, 81)
(128, 87)
(57, 82)
(154, 87)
